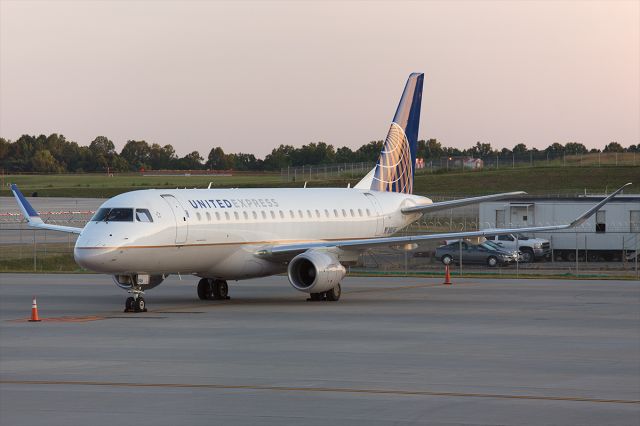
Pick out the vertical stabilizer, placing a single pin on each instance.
(394, 170)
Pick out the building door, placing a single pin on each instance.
(522, 215)
(181, 216)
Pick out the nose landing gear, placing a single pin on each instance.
(135, 303)
(210, 289)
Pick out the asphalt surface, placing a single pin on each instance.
(391, 351)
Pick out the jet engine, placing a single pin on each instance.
(139, 281)
(315, 271)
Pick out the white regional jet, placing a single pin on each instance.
(140, 237)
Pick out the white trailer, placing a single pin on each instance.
(613, 233)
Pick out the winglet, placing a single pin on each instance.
(586, 215)
(27, 209)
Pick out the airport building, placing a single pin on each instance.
(613, 233)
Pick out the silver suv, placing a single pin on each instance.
(531, 248)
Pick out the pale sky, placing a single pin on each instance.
(248, 76)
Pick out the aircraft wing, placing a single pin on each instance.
(33, 217)
(444, 205)
(284, 251)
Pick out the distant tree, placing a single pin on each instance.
(632, 148)
(520, 149)
(554, 150)
(480, 150)
(161, 157)
(369, 152)
(136, 153)
(574, 148)
(44, 161)
(279, 158)
(345, 155)
(103, 146)
(613, 147)
(191, 161)
(217, 160)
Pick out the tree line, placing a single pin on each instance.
(56, 154)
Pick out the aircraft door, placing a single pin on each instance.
(181, 216)
(377, 209)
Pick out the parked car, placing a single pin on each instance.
(483, 253)
(531, 248)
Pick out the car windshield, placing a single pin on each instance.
(113, 215)
(490, 246)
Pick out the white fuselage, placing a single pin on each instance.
(215, 233)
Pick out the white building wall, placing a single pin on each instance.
(617, 233)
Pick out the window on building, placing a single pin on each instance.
(499, 218)
(601, 224)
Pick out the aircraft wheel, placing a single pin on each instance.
(333, 295)
(129, 305)
(140, 305)
(204, 289)
(316, 297)
(220, 290)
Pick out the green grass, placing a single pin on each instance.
(534, 180)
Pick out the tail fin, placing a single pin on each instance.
(394, 170)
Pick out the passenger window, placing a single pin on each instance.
(273, 215)
(360, 212)
(143, 215)
(300, 214)
(226, 215)
(198, 216)
(308, 213)
(344, 213)
(208, 217)
(351, 211)
(326, 213)
(236, 215)
(217, 216)
(281, 214)
(317, 213)
(264, 215)
(255, 215)
(291, 214)
(246, 216)
(368, 212)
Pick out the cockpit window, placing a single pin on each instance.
(113, 215)
(100, 215)
(143, 215)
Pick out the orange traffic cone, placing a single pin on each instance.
(447, 276)
(34, 311)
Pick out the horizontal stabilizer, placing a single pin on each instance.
(444, 205)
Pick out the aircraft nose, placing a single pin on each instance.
(91, 258)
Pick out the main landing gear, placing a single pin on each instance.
(136, 302)
(210, 289)
(332, 295)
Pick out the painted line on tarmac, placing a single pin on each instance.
(319, 389)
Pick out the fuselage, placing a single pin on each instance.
(216, 232)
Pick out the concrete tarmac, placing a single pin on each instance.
(391, 351)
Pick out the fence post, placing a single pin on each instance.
(35, 268)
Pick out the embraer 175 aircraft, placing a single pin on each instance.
(140, 237)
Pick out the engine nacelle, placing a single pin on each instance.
(315, 271)
(139, 281)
